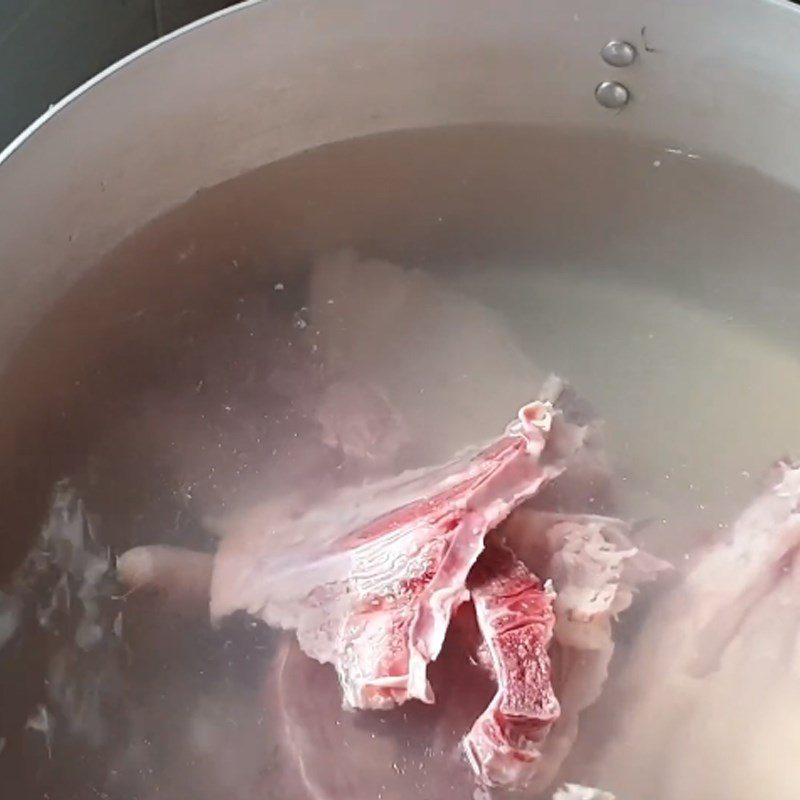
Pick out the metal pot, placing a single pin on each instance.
(651, 139)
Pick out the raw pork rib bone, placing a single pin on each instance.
(375, 593)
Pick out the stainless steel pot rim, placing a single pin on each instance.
(15, 144)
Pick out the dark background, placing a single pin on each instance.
(48, 47)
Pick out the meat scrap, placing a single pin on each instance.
(375, 596)
(595, 569)
(593, 564)
(590, 569)
(515, 617)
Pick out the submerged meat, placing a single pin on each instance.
(371, 578)
(359, 421)
(515, 618)
(447, 362)
(514, 734)
(594, 569)
(734, 577)
(353, 418)
(593, 564)
(183, 577)
(370, 583)
(712, 690)
(374, 593)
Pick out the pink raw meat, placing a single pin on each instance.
(370, 582)
(594, 569)
(516, 619)
(354, 417)
(730, 579)
(358, 420)
(711, 690)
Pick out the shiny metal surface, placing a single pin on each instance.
(612, 94)
(618, 54)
